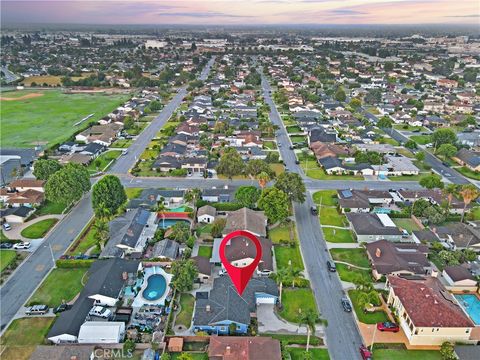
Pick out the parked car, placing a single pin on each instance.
(61, 308)
(6, 226)
(124, 152)
(331, 266)
(37, 310)
(346, 304)
(365, 353)
(81, 257)
(100, 311)
(22, 245)
(222, 272)
(445, 164)
(291, 147)
(297, 162)
(388, 326)
(314, 210)
(6, 245)
(67, 257)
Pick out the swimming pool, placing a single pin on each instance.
(165, 224)
(471, 305)
(177, 209)
(156, 286)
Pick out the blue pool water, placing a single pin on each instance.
(156, 286)
(471, 304)
(177, 209)
(164, 224)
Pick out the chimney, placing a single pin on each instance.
(207, 308)
(124, 276)
(378, 252)
(228, 350)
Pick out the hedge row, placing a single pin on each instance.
(71, 264)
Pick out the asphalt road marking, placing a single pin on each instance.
(57, 247)
(70, 231)
(40, 268)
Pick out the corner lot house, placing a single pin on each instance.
(373, 227)
(428, 314)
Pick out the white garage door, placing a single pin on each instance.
(265, 300)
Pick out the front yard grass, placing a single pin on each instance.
(295, 299)
(313, 170)
(6, 258)
(298, 139)
(122, 143)
(38, 229)
(468, 173)
(205, 251)
(61, 285)
(352, 256)
(23, 335)
(84, 242)
(421, 139)
(366, 318)
(104, 161)
(326, 197)
(271, 145)
(406, 224)
(282, 232)
(407, 177)
(50, 208)
(277, 168)
(404, 354)
(295, 339)
(184, 317)
(133, 193)
(288, 256)
(338, 235)
(317, 354)
(293, 129)
(330, 216)
(352, 274)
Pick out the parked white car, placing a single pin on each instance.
(22, 245)
(100, 311)
(6, 226)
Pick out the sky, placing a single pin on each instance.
(238, 12)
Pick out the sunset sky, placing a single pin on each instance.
(247, 12)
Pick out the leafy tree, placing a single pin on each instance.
(431, 182)
(420, 156)
(184, 274)
(434, 215)
(450, 191)
(165, 356)
(447, 351)
(231, 163)
(388, 66)
(449, 257)
(275, 204)
(128, 123)
(263, 178)
(68, 184)
(292, 185)
(447, 150)
(129, 346)
(43, 169)
(247, 195)
(340, 94)
(371, 157)
(218, 226)
(108, 193)
(257, 166)
(443, 136)
(469, 193)
(385, 122)
(272, 157)
(180, 232)
(373, 97)
(355, 103)
(410, 144)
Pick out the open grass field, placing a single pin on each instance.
(184, 317)
(6, 258)
(38, 229)
(295, 299)
(49, 117)
(53, 291)
(421, 139)
(23, 335)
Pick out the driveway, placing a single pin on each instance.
(269, 322)
(15, 232)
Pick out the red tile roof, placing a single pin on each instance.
(244, 348)
(428, 303)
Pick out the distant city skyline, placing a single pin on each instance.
(247, 12)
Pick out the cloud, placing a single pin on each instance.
(347, 12)
(207, 14)
(464, 16)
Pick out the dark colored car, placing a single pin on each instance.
(81, 257)
(331, 266)
(61, 308)
(291, 147)
(446, 164)
(388, 326)
(314, 210)
(365, 353)
(6, 245)
(66, 257)
(346, 304)
(297, 162)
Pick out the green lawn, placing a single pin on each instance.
(295, 299)
(60, 285)
(133, 193)
(123, 143)
(23, 335)
(6, 258)
(295, 339)
(50, 118)
(421, 139)
(406, 127)
(326, 197)
(293, 129)
(298, 138)
(317, 354)
(404, 354)
(277, 168)
(338, 235)
(366, 318)
(38, 229)
(475, 213)
(195, 356)
(388, 140)
(282, 232)
(287, 256)
(352, 256)
(353, 275)
(184, 317)
(406, 224)
(205, 251)
(271, 145)
(104, 161)
(315, 172)
(330, 216)
(407, 177)
(468, 173)
(84, 242)
(50, 208)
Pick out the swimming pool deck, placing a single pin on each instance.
(140, 300)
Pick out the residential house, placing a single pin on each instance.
(245, 348)
(458, 236)
(29, 198)
(389, 258)
(10, 168)
(468, 158)
(396, 166)
(204, 267)
(246, 219)
(323, 150)
(434, 196)
(334, 166)
(216, 310)
(101, 332)
(459, 278)
(427, 313)
(165, 249)
(320, 134)
(15, 214)
(62, 352)
(206, 214)
(363, 200)
(215, 195)
(371, 227)
(27, 184)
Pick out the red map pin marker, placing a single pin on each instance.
(240, 276)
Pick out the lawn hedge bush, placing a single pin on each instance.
(69, 264)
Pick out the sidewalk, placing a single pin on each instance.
(15, 232)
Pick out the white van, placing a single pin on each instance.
(100, 311)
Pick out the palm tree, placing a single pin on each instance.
(160, 208)
(281, 276)
(192, 196)
(263, 178)
(310, 318)
(469, 193)
(103, 212)
(102, 232)
(450, 191)
(294, 273)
